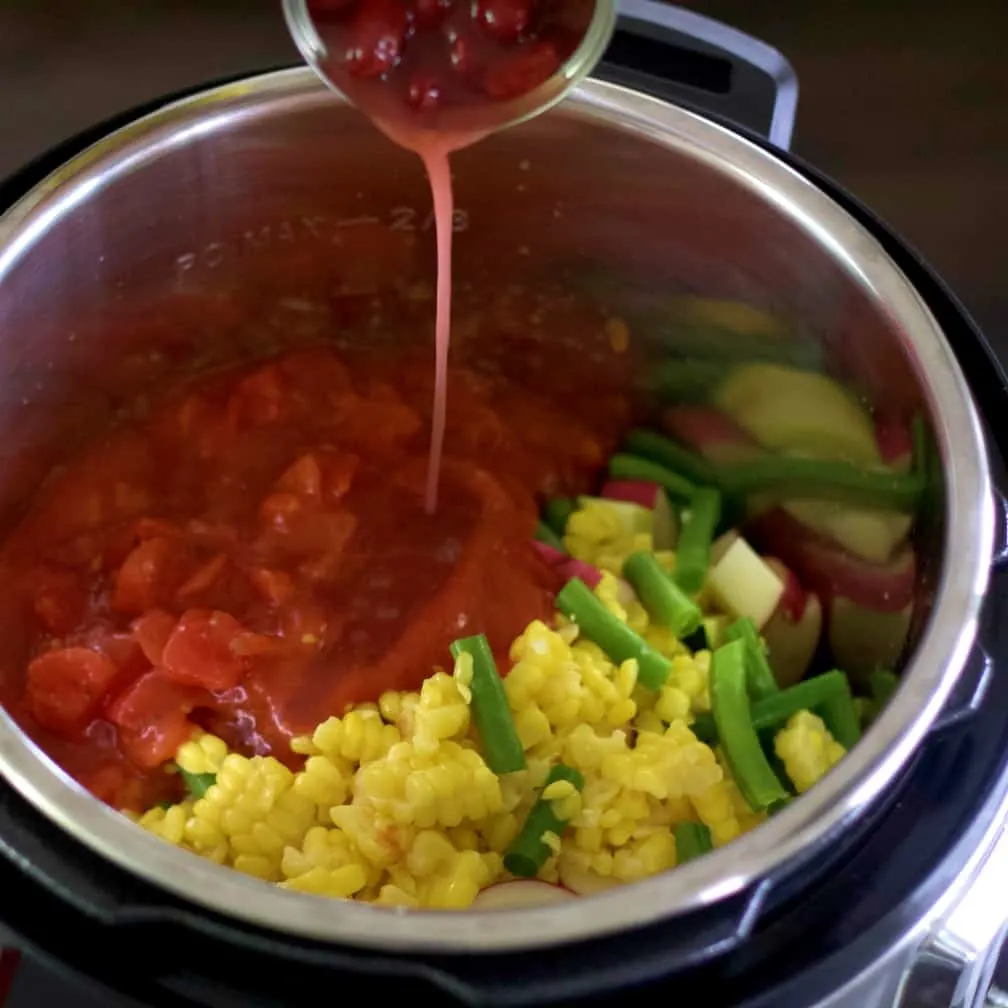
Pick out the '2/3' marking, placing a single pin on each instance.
(319, 227)
(406, 218)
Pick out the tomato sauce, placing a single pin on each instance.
(252, 553)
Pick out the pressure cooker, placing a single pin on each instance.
(669, 169)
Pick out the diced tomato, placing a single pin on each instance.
(59, 599)
(65, 687)
(304, 478)
(212, 534)
(120, 541)
(120, 648)
(322, 475)
(375, 425)
(277, 510)
(322, 535)
(150, 575)
(152, 716)
(152, 631)
(259, 398)
(254, 645)
(199, 653)
(204, 424)
(205, 578)
(275, 586)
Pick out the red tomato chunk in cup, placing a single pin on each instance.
(252, 554)
(426, 55)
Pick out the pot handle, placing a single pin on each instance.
(955, 965)
(709, 67)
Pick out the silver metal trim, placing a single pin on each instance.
(796, 832)
(731, 40)
(965, 945)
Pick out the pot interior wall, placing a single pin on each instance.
(214, 236)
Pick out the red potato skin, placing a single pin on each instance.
(793, 632)
(895, 443)
(567, 567)
(830, 571)
(795, 598)
(710, 433)
(632, 492)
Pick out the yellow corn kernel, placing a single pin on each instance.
(340, 883)
(807, 749)
(256, 866)
(532, 725)
(551, 840)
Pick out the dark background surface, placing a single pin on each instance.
(906, 104)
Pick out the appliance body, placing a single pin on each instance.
(889, 903)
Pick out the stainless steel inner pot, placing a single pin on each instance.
(264, 181)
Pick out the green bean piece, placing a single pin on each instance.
(883, 684)
(919, 440)
(691, 840)
(528, 851)
(759, 676)
(630, 467)
(502, 747)
(557, 511)
(828, 695)
(197, 784)
(739, 742)
(664, 600)
(670, 454)
(790, 476)
(840, 715)
(579, 603)
(699, 523)
(546, 535)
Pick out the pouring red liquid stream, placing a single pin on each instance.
(412, 64)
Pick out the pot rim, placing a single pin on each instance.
(802, 828)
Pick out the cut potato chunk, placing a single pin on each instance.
(521, 894)
(868, 533)
(584, 881)
(799, 411)
(743, 584)
(864, 639)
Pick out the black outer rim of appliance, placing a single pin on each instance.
(790, 957)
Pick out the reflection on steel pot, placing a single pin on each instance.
(199, 234)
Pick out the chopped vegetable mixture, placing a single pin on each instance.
(249, 637)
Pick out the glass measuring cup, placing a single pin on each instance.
(413, 98)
